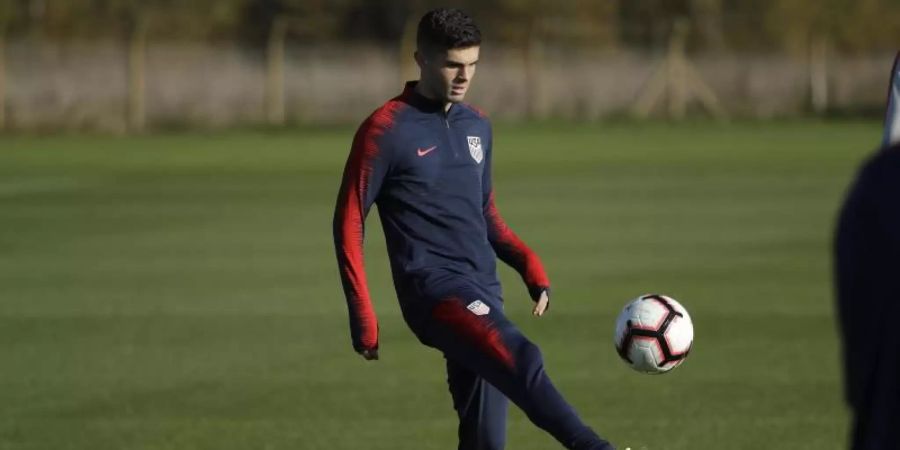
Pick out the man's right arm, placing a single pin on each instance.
(363, 176)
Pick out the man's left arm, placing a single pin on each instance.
(509, 247)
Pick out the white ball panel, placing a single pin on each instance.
(679, 335)
(645, 355)
(648, 314)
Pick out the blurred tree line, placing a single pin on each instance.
(716, 25)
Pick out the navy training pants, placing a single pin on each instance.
(488, 361)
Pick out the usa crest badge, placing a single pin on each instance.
(479, 308)
(475, 148)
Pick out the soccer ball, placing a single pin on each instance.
(654, 334)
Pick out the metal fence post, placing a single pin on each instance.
(818, 74)
(136, 76)
(275, 113)
(2, 77)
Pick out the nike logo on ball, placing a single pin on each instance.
(423, 152)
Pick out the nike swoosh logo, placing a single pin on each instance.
(423, 152)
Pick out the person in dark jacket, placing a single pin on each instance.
(867, 273)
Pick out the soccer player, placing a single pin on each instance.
(867, 272)
(424, 158)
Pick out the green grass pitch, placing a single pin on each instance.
(181, 292)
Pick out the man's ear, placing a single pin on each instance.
(420, 59)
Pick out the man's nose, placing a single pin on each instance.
(464, 73)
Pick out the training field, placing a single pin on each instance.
(181, 291)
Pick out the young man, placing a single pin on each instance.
(867, 264)
(425, 159)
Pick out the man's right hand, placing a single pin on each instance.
(370, 355)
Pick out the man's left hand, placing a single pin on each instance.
(541, 305)
(370, 354)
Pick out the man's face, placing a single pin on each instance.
(446, 76)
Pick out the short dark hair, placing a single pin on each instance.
(443, 29)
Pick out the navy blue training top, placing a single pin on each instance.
(429, 171)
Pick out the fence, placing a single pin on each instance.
(116, 86)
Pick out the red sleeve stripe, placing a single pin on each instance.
(512, 250)
(478, 111)
(353, 210)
